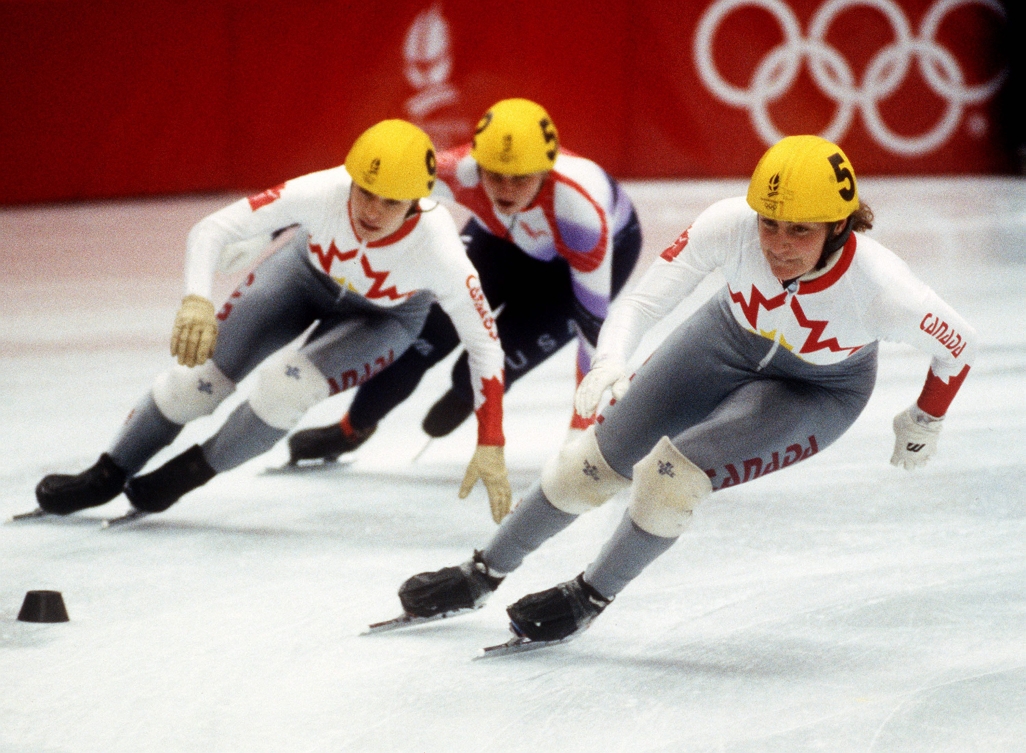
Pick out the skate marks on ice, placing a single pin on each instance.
(933, 717)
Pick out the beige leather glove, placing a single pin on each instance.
(489, 465)
(195, 331)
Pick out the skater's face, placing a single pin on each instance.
(511, 193)
(794, 248)
(376, 217)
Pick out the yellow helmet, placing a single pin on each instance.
(516, 137)
(804, 179)
(393, 159)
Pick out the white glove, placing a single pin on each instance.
(915, 437)
(195, 332)
(611, 375)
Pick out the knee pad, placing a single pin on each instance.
(286, 387)
(182, 393)
(667, 487)
(579, 478)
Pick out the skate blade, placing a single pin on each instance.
(409, 620)
(422, 450)
(129, 517)
(517, 645)
(50, 519)
(304, 467)
(39, 512)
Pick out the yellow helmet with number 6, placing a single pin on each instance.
(516, 137)
(393, 159)
(804, 179)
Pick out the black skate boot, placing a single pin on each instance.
(62, 494)
(446, 414)
(158, 490)
(327, 442)
(557, 613)
(450, 589)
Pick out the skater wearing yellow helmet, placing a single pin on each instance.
(367, 255)
(766, 374)
(553, 237)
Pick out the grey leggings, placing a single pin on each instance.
(703, 388)
(352, 340)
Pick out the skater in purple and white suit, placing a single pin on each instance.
(769, 372)
(553, 238)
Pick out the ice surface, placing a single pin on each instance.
(841, 606)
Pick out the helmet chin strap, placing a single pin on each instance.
(835, 243)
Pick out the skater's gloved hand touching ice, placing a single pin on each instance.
(489, 465)
(195, 331)
(915, 437)
(605, 374)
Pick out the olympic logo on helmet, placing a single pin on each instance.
(779, 69)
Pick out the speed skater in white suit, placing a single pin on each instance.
(368, 255)
(766, 374)
(553, 238)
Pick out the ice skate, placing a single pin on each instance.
(62, 494)
(158, 490)
(557, 613)
(327, 442)
(450, 589)
(132, 516)
(446, 414)
(518, 644)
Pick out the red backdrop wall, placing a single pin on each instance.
(119, 98)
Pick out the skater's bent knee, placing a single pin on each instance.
(579, 478)
(287, 386)
(667, 487)
(182, 393)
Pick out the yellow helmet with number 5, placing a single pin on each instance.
(393, 159)
(516, 137)
(804, 179)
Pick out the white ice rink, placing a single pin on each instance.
(842, 605)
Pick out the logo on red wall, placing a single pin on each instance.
(428, 64)
(882, 83)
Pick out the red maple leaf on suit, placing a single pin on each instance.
(489, 414)
(812, 342)
(376, 289)
(751, 307)
(325, 257)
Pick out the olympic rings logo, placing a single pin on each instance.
(779, 69)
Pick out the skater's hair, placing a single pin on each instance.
(416, 208)
(862, 218)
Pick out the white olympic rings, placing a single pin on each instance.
(779, 69)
